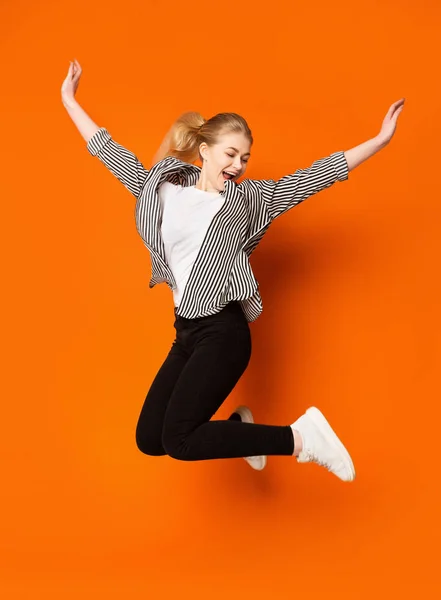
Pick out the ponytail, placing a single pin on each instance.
(183, 139)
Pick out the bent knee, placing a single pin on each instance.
(149, 444)
(174, 446)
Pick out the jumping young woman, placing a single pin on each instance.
(200, 226)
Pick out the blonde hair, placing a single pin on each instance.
(191, 129)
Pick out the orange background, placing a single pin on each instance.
(349, 279)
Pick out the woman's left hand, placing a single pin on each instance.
(390, 121)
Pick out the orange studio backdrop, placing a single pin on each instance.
(349, 280)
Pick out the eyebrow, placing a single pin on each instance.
(232, 148)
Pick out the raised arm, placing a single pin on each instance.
(121, 162)
(281, 195)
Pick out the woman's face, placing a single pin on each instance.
(230, 154)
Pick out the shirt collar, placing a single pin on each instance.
(189, 174)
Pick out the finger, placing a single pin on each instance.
(390, 112)
(394, 106)
(398, 111)
(70, 73)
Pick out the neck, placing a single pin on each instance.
(204, 184)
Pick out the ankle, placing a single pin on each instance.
(298, 442)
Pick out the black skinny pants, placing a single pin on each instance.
(206, 360)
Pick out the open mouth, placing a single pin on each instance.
(228, 175)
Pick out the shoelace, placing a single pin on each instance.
(317, 460)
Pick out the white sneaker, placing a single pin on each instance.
(322, 446)
(256, 462)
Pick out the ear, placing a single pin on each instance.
(203, 149)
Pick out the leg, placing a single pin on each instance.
(220, 356)
(151, 419)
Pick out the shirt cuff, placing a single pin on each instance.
(98, 141)
(340, 165)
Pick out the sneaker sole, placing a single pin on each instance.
(247, 417)
(331, 437)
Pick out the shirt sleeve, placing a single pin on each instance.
(121, 162)
(285, 193)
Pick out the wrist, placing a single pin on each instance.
(381, 141)
(69, 102)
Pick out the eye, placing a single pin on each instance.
(232, 156)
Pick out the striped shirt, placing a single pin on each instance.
(222, 272)
(187, 213)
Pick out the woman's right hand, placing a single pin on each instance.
(70, 84)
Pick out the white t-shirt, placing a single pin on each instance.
(187, 214)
